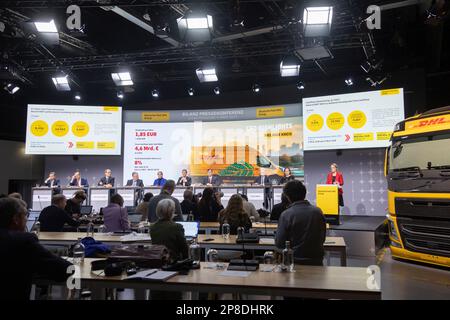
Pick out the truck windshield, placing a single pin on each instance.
(263, 162)
(422, 153)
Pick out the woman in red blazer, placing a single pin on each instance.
(335, 177)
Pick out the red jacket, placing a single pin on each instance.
(339, 179)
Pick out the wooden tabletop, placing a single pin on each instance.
(306, 281)
(256, 225)
(74, 236)
(219, 240)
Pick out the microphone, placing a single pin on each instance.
(40, 204)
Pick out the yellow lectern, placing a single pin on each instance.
(327, 200)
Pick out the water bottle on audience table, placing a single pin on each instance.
(78, 252)
(37, 228)
(90, 229)
(195, 253)
(287, 263)
(226, 230)
(102, 229)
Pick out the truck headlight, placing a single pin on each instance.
(393, 231)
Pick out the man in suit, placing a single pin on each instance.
(263, 180)
(211, 180)
(73, 206)
(52, 181)
(22, 254)
(166, 193)
(137, 183)
(184, 180)
(78, 181)
(54, 217)
(160, 181)
(107, 181)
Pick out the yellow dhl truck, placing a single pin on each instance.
(417, 168)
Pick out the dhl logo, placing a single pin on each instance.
(429, 122)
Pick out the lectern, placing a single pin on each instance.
(131, 195)
(255, 195)
(99, 197)
(327, 199)
(227, 191)
(42, 197)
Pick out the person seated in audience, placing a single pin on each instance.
(188, 206)
(135, 181)
(53, 218)
(210, 179)
(184, 180)
(15, 195)
(250, 209)
(279, 208)
(170, 234)
(78, 181)
(107, 180)
(209, 205)
(142, 207)
(73, 206)
(288, 176)
(160, 181)
(115, 216)
(235, 215)
(52, 181)
(166, 193)
(22, 255)
(303, 225)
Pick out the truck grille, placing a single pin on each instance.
(431, 237)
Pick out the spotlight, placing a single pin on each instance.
(61, 82)
(47, 27)
(11, 88)
(206, 75)
(217, 90)
(122, 78)
(349, 81)
(190, 92)
(120, 95)
(195, 27)
(300, 85)
(290, 67)
(317, 21)
(256, 88)
(77, 96)
(155, 93)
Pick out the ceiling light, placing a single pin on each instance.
(61, 82)
(290, 67)
(155, 93)
(122, 79)
(190, 92)
(46, 26)
(256, 88)
(203, 22)
(300, 85)
(77, 96)
(11, 88)
(120, 94)
(206, 75)
(217, 90)
(317, 21)
(349, 81)
(195, 27)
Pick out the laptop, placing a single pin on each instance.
(135, 218)
(86, 210)
(33, 216)
(130, 208)
(190, 229)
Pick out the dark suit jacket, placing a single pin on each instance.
(139, 183)
(188, 183)
(49, 183)
(171, 235)
(103, 181)
(266, 180)
(23, 256)
(53, 219)
(153, 203)
(215, 180)
(84, 183)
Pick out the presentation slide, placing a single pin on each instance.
(73, 130)
(350, 121)
(235, 150)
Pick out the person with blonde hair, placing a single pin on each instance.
(235, 215)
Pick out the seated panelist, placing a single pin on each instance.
(78, 181)
(210, 179)
(135, 181)
(184, 180)
(51, 181)
(107, 180)
(160, 181)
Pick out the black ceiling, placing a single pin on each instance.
(109, 42)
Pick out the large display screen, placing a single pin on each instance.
(73, 130)
(235, 150)
(354, 120)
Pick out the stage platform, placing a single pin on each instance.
(364, 235)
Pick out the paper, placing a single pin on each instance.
(266, 241)
(135, 237)
(153, 275)
(231, 273)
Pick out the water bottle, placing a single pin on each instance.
(240, 233)
(226, 230)
(37, 228)
(288, 258)
(195, 252)
(78, 252)
(90, 229)
(212, 257)
(102, 229)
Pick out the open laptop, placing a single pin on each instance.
(86, 210)
(33, 216)
(134, 218)
(190, 229)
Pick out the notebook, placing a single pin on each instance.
(152, 275)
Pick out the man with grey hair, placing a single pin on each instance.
(22, 254)
(166, 193)
(54, 217)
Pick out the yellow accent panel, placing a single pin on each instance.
(392, 195)
(270, 112)
(390, 92)
(155, 116)
(327, 199)
(363, 136)
(420, 257)
(384, 135)
(106, 145)
(109, 108)
(85, 144)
